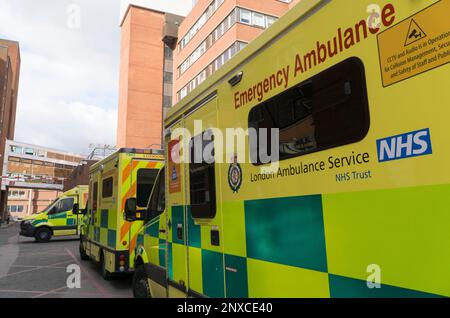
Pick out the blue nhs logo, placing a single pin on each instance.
(413, 144)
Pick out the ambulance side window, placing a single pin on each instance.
(94, 195)
(158, 201)
(107, 188)
(202, 177)
(329, 110)
(145, 181)
(66, 204)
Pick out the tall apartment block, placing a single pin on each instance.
(165, 56)
(9, 85)
(214, 32)
(146, 75)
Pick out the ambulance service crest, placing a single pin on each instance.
(235, 176)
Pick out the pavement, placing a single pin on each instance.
(40, 270)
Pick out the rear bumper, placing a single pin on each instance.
(27, 229)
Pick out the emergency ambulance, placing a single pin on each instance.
(106, 237)
(58, 218)
(354, 200)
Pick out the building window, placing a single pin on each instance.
(270, 20)
(168, 53)
(183, 92)
(200, 23)
(329, 110)
(145, 181)
(107, 188)
(15, 208)
(259, 20)
(168, 77)
(16, 194)
(167, 101)
(211, 68)
(17, 150)
(245, 16)
(202, 180)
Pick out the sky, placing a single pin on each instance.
(70, 51)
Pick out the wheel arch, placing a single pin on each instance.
(141, 257)
(43, 226)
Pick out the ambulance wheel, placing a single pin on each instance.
(83, 255)
(141, 287)
(105, 274)
(43, 235)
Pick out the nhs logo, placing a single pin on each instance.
(413, 144)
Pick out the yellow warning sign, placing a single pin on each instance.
(426, 47)
(415, 33)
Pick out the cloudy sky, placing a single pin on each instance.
(68, 94)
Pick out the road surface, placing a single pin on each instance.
(35, 270)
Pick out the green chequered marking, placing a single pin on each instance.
(236, 276)
(404, 231)
(162, 252)
(104, 218)
(177, 218)
(62, 215)
(36, 222)
(169, 250)
(344, 287)
(212, 268)
(287, 231)
(97, 234)
(111, 238)
(153, 229)
(70, 221)
(193, 230)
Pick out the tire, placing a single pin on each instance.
(83, 255)
(43, 235)
(105, 274)
(141, 287)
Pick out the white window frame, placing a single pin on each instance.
(242, 12)
(261, 17)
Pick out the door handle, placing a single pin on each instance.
(162, 231)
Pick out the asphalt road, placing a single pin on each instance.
(34, 270)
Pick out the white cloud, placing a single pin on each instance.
(71, 126)
(69, 77)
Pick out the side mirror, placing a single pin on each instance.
(130, 212)
(76, 209)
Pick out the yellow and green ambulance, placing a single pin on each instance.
(58, 218)
(107, 237)
(355, 199)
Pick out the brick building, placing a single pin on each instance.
(9, 85)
